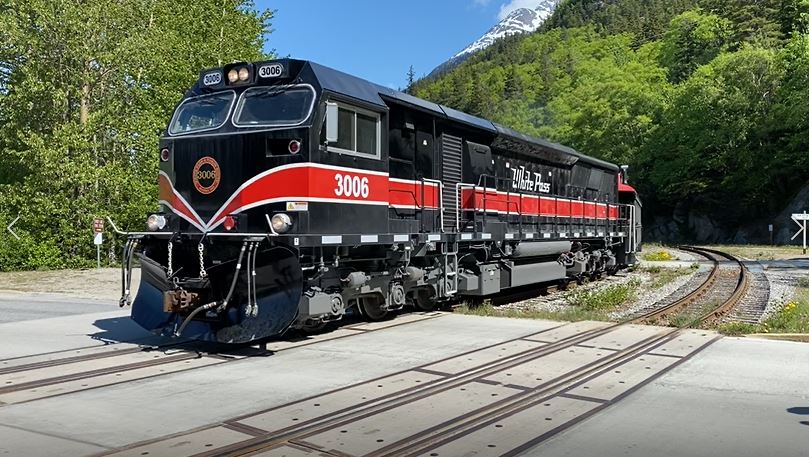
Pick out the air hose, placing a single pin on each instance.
(223, 304)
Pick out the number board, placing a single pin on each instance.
(271, 70)
(212, 79)
(801, 217)
(98, 225)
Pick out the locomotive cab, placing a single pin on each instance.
(292, 194)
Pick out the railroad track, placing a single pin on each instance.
(499, 400)
(719, 293)
(39, 376)
(458, 404)
(502, 406)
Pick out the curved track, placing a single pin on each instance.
(725, 286)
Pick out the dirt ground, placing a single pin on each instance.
(101, 284)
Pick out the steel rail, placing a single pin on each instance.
(691, 297)
(331, 421)
(424, 441)
(339, 418)
(98, 372)
(740, 291)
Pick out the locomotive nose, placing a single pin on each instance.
(260, 292)
(205, 171)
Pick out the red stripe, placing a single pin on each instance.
(308, 182)
(532, 205)
(169, 195)
(413, 194)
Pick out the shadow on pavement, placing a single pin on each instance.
(800, 410)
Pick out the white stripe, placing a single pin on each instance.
(546, 235)
(563, 235)
(412, 207)
(509, 236)
(529, 236)
(407, 181)
(287, 198)
(175, 211)
(466, 236)
(486, 236)
(433, 237)
(576, 235)
(401, 238)
(332, 239)
(369, 238)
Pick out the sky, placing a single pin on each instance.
(380, 39)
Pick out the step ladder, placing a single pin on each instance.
(449, 271)
(451, 174)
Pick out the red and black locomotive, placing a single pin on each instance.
(292, 193)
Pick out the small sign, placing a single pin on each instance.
(98, 239)
(273, 70)
(770, 227)
(98, 225)
(297, 206)
(212, 79)
(801, 220)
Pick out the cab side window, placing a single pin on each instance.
(359, 132)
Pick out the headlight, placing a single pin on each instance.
(156, 222)
(281, 223)
(233, 75)
(244, 73)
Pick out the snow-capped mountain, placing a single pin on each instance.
(521, 20)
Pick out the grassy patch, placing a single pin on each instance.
(569, 314)
(682, 320)
(585, 305)
(658, 256)
(737, 328)
(608, 298)
(762, 252)
(792, 318)
(662, 276)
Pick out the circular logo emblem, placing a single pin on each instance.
(206, 175)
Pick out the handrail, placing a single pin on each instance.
(422, 206)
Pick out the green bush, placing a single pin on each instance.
(27, 253)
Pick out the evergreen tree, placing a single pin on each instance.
(411, 79)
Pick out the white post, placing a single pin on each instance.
(804, 236)
(98, 255)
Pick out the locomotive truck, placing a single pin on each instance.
(292, 194)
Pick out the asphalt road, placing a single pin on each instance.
(16, 307)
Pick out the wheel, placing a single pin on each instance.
(314, 327)
(373, 308)
(423, 299)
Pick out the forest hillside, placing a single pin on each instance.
(706, 100)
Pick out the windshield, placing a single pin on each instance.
(274, 106)
(206, 112)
